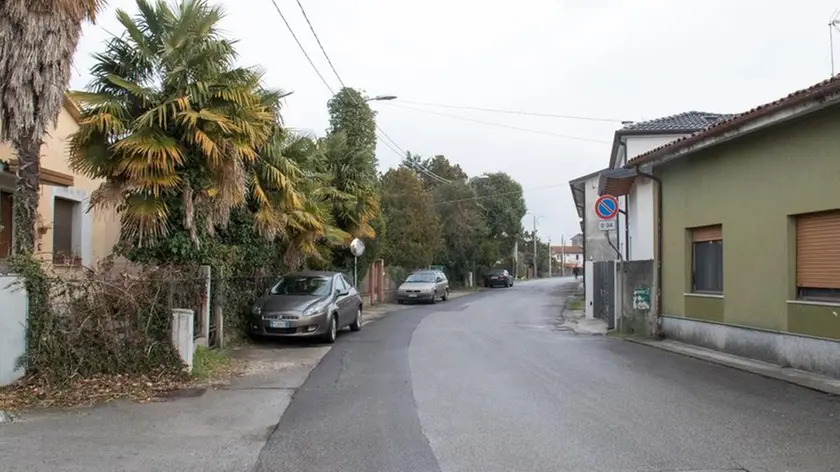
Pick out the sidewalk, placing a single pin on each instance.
(221, 429)
(808, 380)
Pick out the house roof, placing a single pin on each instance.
(810, 97)
(681, 122)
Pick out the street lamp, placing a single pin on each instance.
(381, 98)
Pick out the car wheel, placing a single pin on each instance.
(332, 330)
(357, 323)
(434, 298)
(445, 295)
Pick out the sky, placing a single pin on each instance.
(605, 59)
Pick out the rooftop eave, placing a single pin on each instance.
(739, 128)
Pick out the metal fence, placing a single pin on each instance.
(603, 278)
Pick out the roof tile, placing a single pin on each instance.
(688, 121)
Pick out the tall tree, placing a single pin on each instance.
(434, 171)
(503, 206)
(463, 228)
(37, 42)
(348, 153)
(350, 114)
(413, 234)
(180, 134)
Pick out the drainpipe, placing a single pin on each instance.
(658, 328)
(623, 144)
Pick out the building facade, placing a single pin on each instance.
(751, 232)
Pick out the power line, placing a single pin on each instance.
(501, 194)
(289, 27)
(385, 138)
(500, 125)
(516, 112)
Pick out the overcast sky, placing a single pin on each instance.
(613, 59)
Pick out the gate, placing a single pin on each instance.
(603, 278)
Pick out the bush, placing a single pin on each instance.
(103, 321)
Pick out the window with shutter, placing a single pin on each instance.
(818, 255)
(707, 259)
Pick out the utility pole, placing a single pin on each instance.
(549, 257)
(535, 246)
(563, 256)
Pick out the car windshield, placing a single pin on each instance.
(302, 285)
(421, 277)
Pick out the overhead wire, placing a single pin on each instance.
(303, 50)
(501, 125)
(515, 112)
(385, 138)
(500, 194)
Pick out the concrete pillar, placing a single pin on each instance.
(183, 335)
(203, 335)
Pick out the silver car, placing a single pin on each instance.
(307, 304)
(424, 286)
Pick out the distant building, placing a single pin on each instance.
(568, 257)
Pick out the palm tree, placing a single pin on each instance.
(350, 172)
(37, 42)
(169, 122)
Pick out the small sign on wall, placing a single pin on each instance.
(608, 225)
(641, 299)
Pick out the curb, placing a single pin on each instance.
(811, 381)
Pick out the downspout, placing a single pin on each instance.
(657, 331)
(623, 144)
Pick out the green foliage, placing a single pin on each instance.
(350, 114)
(348, 155)
(413, 232)
(99, 322)
(503, 206)
(463, 228)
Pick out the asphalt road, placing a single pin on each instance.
(489, 383)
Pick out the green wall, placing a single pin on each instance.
(752, 186)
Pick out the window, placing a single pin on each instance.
(64, 216)
(818, 256)
(707, 259)
(347, 283)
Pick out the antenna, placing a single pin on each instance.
(834, 23)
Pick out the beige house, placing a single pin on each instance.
(68, 234)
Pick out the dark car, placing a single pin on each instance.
(498, 278)
(307, 304)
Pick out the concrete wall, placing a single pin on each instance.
(99, 230)
(799, 352)
(753, 187)
(12, 328)
(634, 295)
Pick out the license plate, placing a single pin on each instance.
(412, 295)
(279, 324)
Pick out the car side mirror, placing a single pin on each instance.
(439, 279)
(339, 293)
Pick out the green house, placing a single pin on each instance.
(749, 238)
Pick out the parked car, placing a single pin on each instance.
(307, 304)
(498, 277)
(424, 286)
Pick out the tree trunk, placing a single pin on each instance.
(25, 202)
